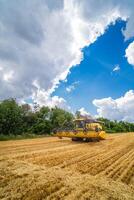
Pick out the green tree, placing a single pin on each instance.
(43, 124)
(77, 114)
(61, 118)
(29, 120)
(117, 126)
(10, 117)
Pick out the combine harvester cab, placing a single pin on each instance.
(85, 130)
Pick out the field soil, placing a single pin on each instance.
(50, 168)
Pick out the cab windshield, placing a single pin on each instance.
(80, 124)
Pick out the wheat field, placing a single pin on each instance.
(50, 168)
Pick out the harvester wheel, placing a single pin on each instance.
(98, 140)
(95, 139)
(74, 139)
(88, 140)
(91, 139)
(77, 139)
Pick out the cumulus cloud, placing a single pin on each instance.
(43, 98)
(116, 109)
(72, 87)
(130, 53)
(41, 40)
(83, 112)
(116, 68)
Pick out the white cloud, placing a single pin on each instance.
(130, 53)
(83, 112)
(116, 109)
(41, 40)
(8, 76)
(116, 68)
(72, 87)
(43, 98)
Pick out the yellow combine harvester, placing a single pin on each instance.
(85, 130)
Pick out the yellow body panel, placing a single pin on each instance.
(93, 126)
(81, 134)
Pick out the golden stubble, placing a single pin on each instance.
(49, 168)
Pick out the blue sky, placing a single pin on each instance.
(95, 73)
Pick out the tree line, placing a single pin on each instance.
(19, 119)
(117, 126)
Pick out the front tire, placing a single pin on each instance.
(77, 139)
